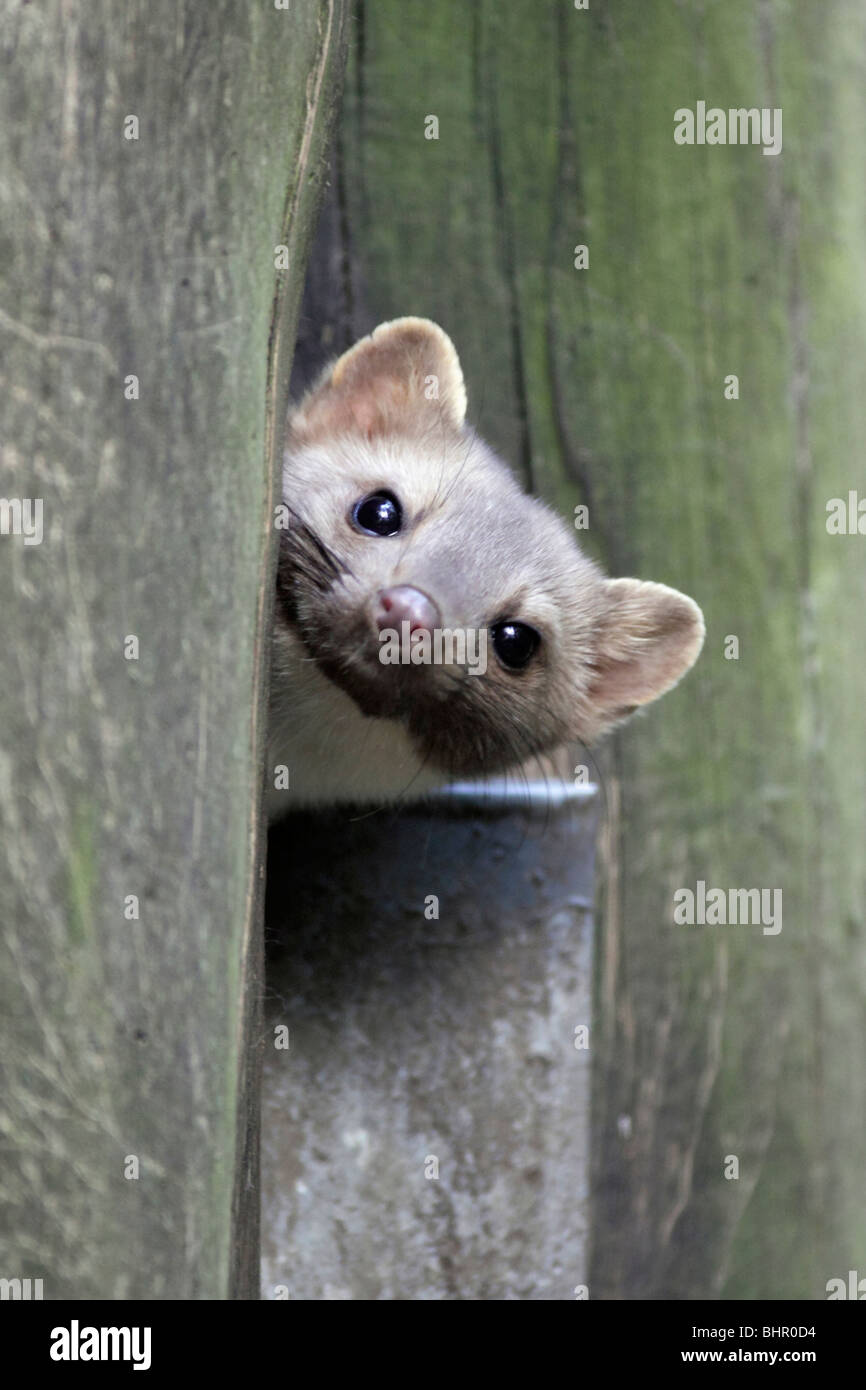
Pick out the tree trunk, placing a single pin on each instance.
(606, 386)
(154, 155)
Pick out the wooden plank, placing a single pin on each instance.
(606, 386)
(130, 787)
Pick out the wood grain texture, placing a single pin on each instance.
(152, 257)
(606, 386)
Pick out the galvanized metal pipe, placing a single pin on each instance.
(425, 1131)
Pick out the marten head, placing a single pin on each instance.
(402, 520)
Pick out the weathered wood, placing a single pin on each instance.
(135, 1037)
(606, 386)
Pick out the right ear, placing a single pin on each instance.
(403, 373)
(648, 637)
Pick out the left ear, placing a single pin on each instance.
(405, 374)
(648, 637)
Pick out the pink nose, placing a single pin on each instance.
(406, 605)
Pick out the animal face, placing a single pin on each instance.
(402, 520)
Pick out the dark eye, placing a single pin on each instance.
(379, 514)
(514, 643)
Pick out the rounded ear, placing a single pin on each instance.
(648, 637)
(405, 373)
